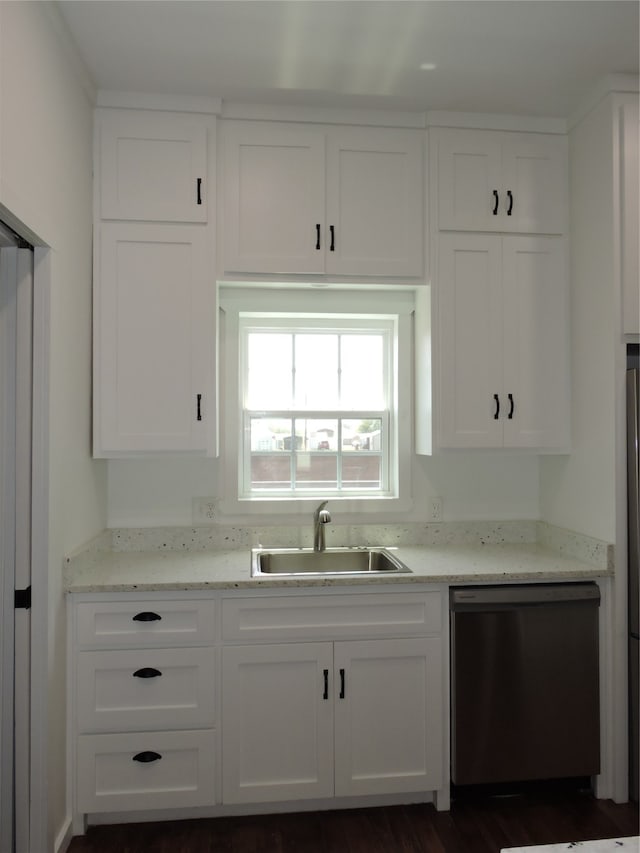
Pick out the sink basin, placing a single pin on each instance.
(333, 561)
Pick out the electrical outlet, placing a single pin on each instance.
(435, 509)
(204, 510)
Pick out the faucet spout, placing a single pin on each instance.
(321, 517)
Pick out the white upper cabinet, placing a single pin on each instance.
(154, 284)
(629, 181)
(340, 201)
(503, 182)
(273, 218)
(154, 340)
(153, 166)
(503, 341)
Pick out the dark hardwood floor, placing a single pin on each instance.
(472, 826)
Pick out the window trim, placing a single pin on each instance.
(235, 299)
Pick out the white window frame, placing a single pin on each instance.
(336, 324)
(236, 300)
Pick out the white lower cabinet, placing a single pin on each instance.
(143, 679)
(305, 720)
(335, 694)
(142, 770)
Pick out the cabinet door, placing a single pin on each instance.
(278, 722)
(374, 202)
(469, 346)
(145, 689)
(630, 204)
(154, 340)
(153, 166)
(469, 180)
(274, 200)
(388, 718)
(536, 330)
(534, 171)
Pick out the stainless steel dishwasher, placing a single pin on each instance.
(524, 682)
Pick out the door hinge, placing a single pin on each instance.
(22, 599)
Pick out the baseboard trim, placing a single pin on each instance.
(64, 836)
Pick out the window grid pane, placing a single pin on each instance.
(287, 456)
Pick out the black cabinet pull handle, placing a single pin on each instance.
(511, 407)
(147, 616)
(496, 414)
(342, 683)
(318, 236)
(332, 231)
(325, 676)
(495, 205)
(510, 197)
(147, 757)
(199, 191)
(147, 672)
(199, 407)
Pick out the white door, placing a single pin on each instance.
(277, 719)
(155, 330)
(470, 343)
(536, 335)
(470, 195)
(16, 382)
(534, 181)
(153, 166)
(388, 719)
(274, 214)
(374, 202)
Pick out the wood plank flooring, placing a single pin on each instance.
(472, 826)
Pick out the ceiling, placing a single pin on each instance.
(527, 57)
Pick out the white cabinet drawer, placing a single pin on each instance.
(145, 689)
(320, 617)
(145, 623)
(125, 772)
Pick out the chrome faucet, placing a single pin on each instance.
(321, 517)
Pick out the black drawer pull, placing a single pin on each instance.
(147, 616)
(496, 414)
(199, 191)
(332, 231)
(147, 757)
(325, 675)
(512, 406)
(510, 197)
(318, 236)
(147, 672)
(495, 199)
(342, 683)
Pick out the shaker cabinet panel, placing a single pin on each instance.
(501, 182)
(374, 203)
(154, 339)
(630, 203)
(470, 341)
(273, 219)
(536, 349)
(153, 166)
(503, 342)
(336, 201)
(277, 720)
(388, 716)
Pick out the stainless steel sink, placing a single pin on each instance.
(332, 561)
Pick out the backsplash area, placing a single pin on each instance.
(228, 538)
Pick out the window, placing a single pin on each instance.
(317, 407)
(316, 398)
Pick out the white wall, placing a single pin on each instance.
(579, 491)
(45, 183)
(146, 493)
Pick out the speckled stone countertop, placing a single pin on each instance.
(608, 845)
(551, 557)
